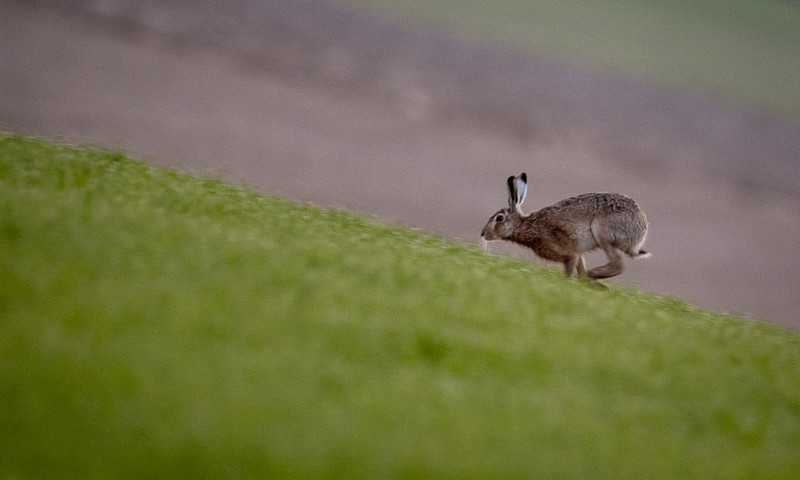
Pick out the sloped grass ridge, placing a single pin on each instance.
(160, 325)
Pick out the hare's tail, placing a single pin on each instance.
(637, 252)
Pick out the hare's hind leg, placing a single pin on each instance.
(614, 266)
(611, 269)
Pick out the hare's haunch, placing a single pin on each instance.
(565, 231)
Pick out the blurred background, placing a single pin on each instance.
(416, 113)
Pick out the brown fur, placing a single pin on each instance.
(563, 232)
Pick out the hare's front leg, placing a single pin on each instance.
(581, 264)
(575, 262)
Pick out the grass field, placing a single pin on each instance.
(742, 51)
(159, 325)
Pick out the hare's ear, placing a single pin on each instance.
(512, 192)
(521, 189)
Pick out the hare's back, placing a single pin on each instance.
(593, 204)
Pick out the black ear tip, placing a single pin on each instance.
(524, 177)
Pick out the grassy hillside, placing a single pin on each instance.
(158, 325)
(744, 51)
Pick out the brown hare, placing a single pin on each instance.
(565, 231)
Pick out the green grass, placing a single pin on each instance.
(742, 51)
(159, 325)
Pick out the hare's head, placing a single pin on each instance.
(502, 224)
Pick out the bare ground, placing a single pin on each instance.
(316, 103)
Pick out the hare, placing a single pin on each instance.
(565, 231)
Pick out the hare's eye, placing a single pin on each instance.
(499, 218)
